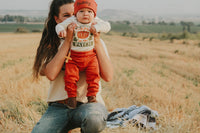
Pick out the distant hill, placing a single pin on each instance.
(118, 15)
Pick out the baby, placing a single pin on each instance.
(82, 54)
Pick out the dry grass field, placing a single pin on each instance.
(161, 75)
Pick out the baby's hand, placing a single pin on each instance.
(63, 34)
(93, 29)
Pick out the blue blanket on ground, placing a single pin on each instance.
(142, 116)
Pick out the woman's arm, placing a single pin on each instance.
(106, 68)
(52, 69)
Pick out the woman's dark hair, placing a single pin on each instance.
(49, 42)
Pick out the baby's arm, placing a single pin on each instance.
(102, 26)
(61, 27)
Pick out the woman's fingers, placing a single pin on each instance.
(70, 31)
(72, 26)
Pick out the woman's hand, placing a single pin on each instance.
(93, 29)
(105, 65)
(70, 31)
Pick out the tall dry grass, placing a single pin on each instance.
(161, 75)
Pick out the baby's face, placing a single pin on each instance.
(85, 15)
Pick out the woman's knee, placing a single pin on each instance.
(94, 123)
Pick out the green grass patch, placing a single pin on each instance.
(39, 105)
(129, 72)
(122, 27)
(13, 112)
(14, 27)
(11, 63)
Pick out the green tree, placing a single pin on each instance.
(127, 22)
(186, 26)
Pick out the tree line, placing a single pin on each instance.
(186, 26)
(20, 19)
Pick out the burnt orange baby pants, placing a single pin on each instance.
(82, 61)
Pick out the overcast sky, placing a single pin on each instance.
(139, 6)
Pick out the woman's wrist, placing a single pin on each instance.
(97, 38)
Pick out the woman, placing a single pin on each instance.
(49, 60)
